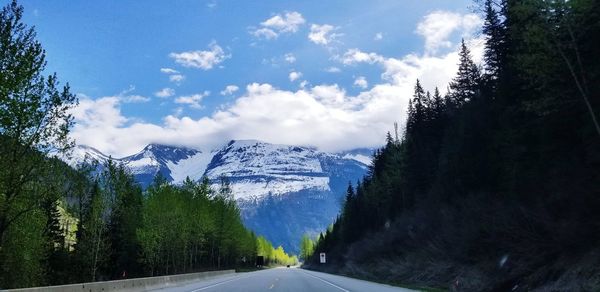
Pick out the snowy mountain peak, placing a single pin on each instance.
(362, 155)
(172, 162)
(254, 168)
(84, 154)
(164, 153)
(257, 168)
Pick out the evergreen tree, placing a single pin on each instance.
(92, 247)
(429, 107)
(494, 44)
(125, 218)
(416, 108)
(438, 104)
(53, 230)
(57, 263)
(465, 86)
(410, 118)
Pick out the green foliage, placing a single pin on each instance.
(495, 33)
(34, 122)
(92, 246)
(466, 85)
(125, 206)
(23, 265)
(33, 115)
(273, 256)
(307, 246)
(192, 227)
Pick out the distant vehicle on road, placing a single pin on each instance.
(260, 261)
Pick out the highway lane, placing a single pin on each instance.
(282, 279)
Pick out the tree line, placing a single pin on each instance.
(493, 185)
(60, 224)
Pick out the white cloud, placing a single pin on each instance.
(165, 92)
(290, 58)
(204, 60)
(126, 97)
(135, 99)
(333, 70)
(178, 111)
(169, 71)
(353, 56)
(322, 34)
(265, 33)
(98, 113)
(378, 36)
(438, 26)
(303, 84)
(229, 90)
(361, 82)
(294, 75)
(279, 24)
(331, 95)
(174, 75)
(176, 78)
(192, 100)
(287, 23)
(294, 117)
(100, 123)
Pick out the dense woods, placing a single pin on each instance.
(496, 184)
(63, 225)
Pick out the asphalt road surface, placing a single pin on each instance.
(282, 279)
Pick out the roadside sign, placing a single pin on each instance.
(322, 257)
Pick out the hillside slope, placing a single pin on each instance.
(495, 186)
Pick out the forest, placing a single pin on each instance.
(60, 224)
(493, 186)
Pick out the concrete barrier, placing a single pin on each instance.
(138, 284)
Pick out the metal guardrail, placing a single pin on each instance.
(137, 284)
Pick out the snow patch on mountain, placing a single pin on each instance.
(84, 154)
(364, 159)
(192, 167)
(256, 169)
(142, 163)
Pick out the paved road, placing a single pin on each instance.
(282, 279)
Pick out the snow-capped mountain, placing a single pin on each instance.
(173, 163)
(363, 155)
(84, 154)
(283, 191)
(256, 169)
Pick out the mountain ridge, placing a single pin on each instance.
(175, 163)
(283, 191)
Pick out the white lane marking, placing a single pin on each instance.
(220, 283)
(334, 285)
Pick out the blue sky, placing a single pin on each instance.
(330, 74)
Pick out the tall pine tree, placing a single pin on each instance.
(465, 86)
(493, 54)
